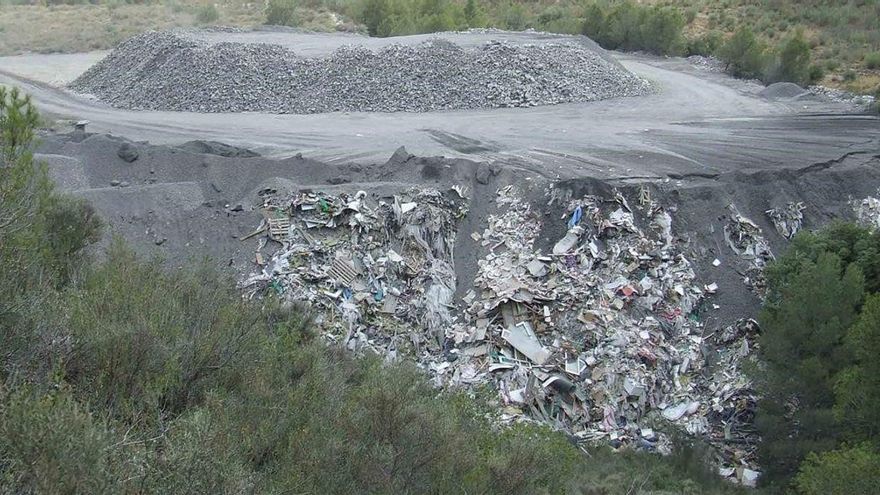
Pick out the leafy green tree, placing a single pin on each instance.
(853, 470)
(858, 386)
(282, 13)
(474, 15)
(743, 54)
(803, 328)
(595, 23)
(791, 62)
(851, 243)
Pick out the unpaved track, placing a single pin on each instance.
(697, 123)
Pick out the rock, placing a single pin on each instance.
(400, 156)
(483, 173)
(337, 180)
(114, 183)
(217, 148)
(128, 153)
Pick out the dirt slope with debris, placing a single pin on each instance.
(643, 283)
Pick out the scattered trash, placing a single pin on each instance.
(787, 219)
(747, 240)
(603, 336)
(867, 211)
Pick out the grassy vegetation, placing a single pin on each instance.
(120, 377)
(85, 26)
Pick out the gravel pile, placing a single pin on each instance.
(169, 71)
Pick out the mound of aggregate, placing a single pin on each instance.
(169, 71)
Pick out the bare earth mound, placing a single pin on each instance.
(173, 71)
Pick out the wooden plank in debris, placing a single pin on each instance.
(342, 271)
(279, 227)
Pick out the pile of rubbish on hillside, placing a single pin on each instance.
(867, 211)
(374, 269)
(600, 335)
(787, 219)
(747, 240)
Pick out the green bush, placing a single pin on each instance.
(707, 44)
(51, 444)
(803, 327)
(853, 470)
(872, 60)
(282, 13)
(631, 26)
(207, 14)
(857, 387)
(71, 225)
(819, 344)
(743, 54)
(791, 62)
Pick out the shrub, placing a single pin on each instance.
(707, 44)
(857, 387)
(207, 14)
(51, 444)
(282, 13)
(872, 61)
(791, 62)
(743, 54)
(474, 15)
(803, 326)
(852, 470)
(71, 225)
(631, 26)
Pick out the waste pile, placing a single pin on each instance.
(602, 335)
(867, 211)
(747, 240)
(374, 269)
(172, 70)
(787, 219)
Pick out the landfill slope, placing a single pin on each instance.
(616, 309)
(180, 72)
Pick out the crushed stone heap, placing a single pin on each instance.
(172, 71)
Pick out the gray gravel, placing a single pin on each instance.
(173, 71)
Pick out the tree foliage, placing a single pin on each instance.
(744, 54)
(849, 470)
(821, 336)
(631, 26)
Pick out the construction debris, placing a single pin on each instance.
(867, 211)
(376, 268)
(747, 240)
(602, 337)
(787, 219)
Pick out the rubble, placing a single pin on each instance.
(602, 336)
(787, 219)
(175, 70)
(747, 240)
(372, 266)
(867, 211)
